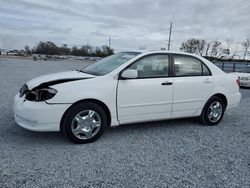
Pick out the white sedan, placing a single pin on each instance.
(244, 76)
(127, 87)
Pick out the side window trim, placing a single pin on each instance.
(148, 55)
(172, 74)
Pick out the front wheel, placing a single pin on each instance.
(84, 122)
(213, 111)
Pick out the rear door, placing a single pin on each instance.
(193, 84)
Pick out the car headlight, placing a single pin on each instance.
(41, 94)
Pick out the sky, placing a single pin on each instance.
(131, 24)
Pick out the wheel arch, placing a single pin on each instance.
(96, 101)
(222, 96)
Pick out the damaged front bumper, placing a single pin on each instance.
(38, 116)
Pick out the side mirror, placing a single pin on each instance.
(130, 73)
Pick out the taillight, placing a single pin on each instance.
(238, 82)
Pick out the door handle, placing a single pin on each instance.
(207, 81)
(167, 83)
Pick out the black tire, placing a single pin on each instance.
(204, 117)
(73, 111)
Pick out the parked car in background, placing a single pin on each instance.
(244, 75)
(127, 87)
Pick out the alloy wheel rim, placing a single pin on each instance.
(215, 111)
(86, 124)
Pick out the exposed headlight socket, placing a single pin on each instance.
(41, 94)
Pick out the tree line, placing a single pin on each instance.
(49, 48)
(216, 48)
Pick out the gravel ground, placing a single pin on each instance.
(176, 153)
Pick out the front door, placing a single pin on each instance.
(148, 97)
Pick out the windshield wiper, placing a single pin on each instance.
(80, 70)
(92, 73)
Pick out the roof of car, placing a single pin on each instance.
(143, 53)
(159, 51)
(168, 52)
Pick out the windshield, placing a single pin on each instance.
(109, 63)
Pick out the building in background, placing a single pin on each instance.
(3, 51)
(12, 52)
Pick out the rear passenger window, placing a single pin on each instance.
(206, 72)
(189, 66)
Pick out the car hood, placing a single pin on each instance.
(57, 78)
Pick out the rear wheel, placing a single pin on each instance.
(213, 111)
(85, 123)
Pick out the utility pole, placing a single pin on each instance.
(169, 37)
(109, 42)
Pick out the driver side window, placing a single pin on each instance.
(152, 66)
